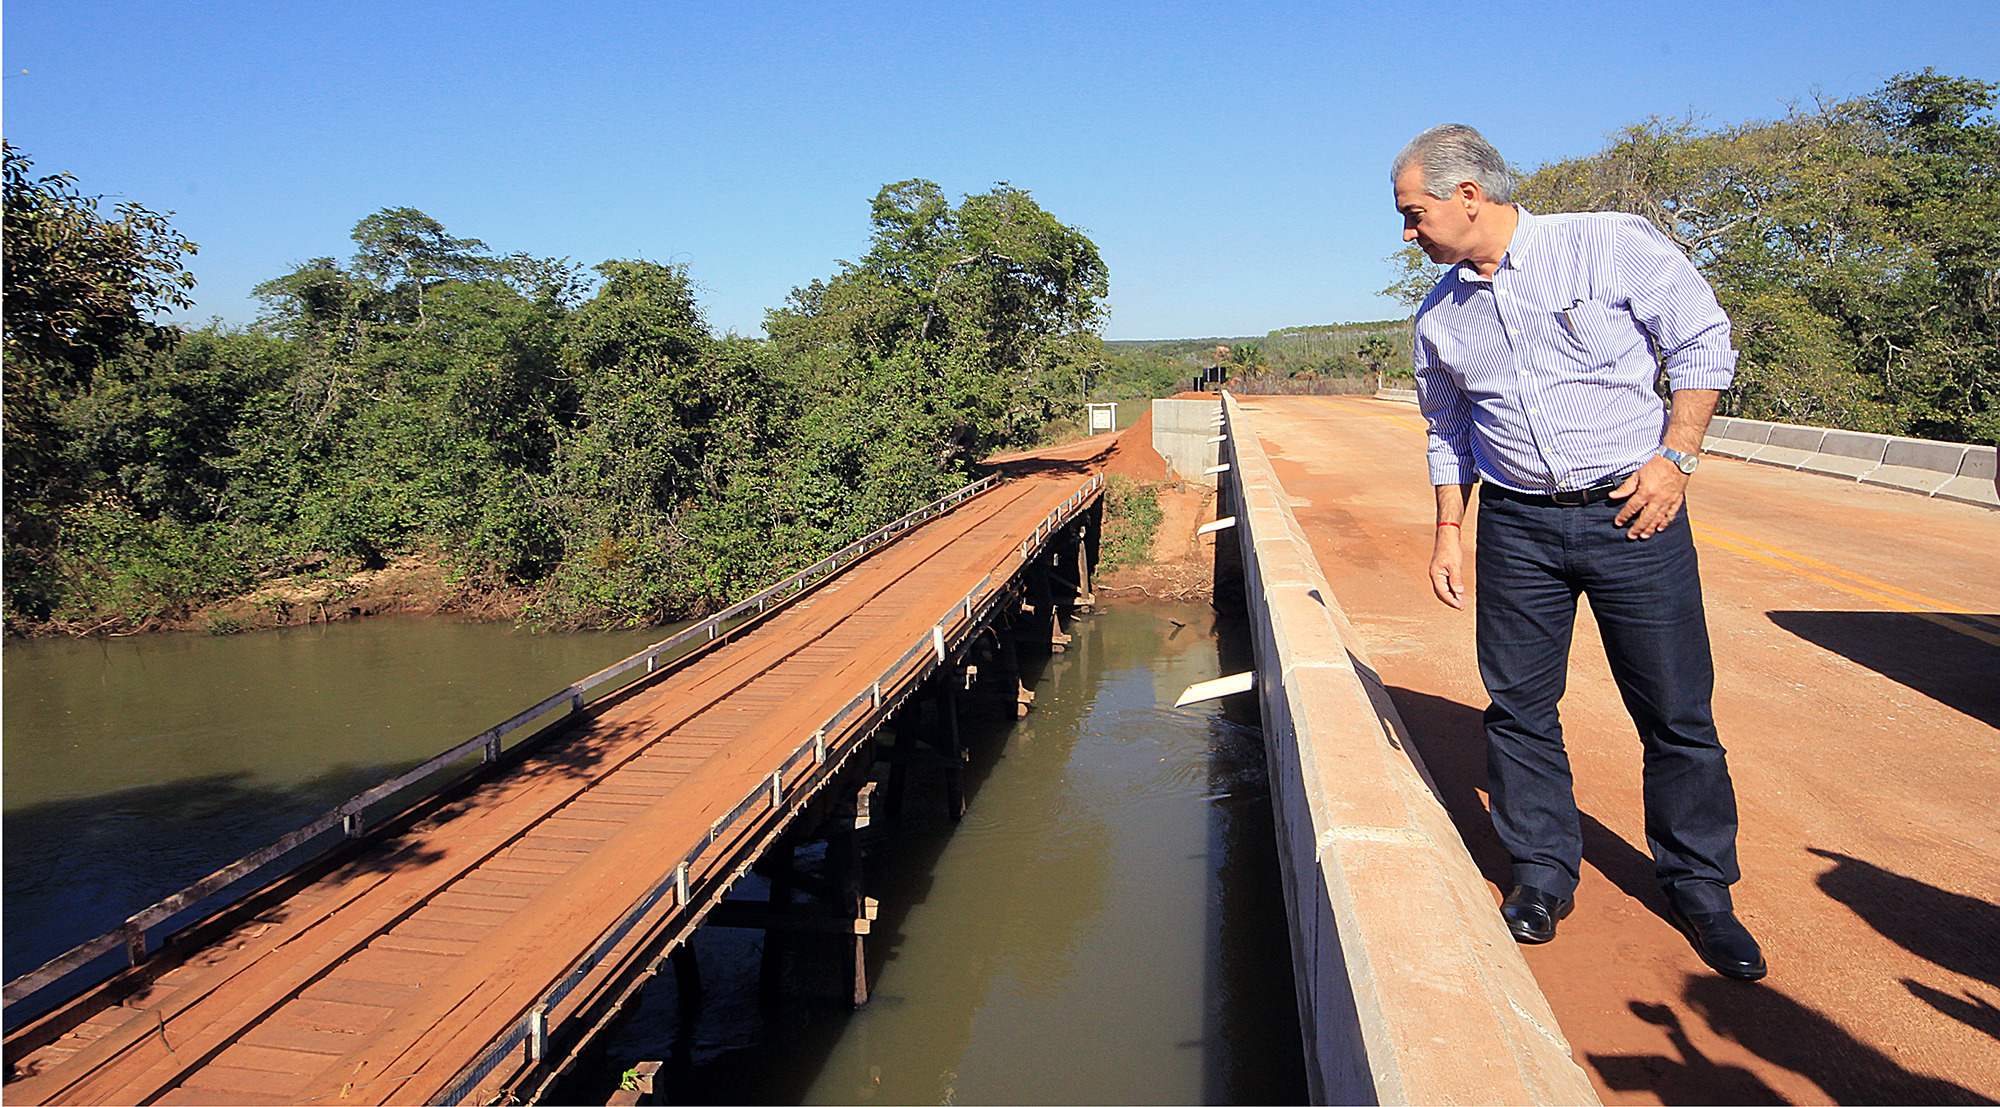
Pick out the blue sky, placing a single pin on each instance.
(1229, 160)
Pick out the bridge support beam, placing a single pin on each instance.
(1071, 556)
(687, 975)
(844, 909)
(953, 748)
(904, 750)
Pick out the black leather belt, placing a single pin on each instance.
(1596, 493)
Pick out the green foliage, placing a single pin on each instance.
(1248, 358)
(1132, 517)
(660, 406)
(161, 429)
(406, 252)
(975, 324)
(700, 469)
(600, 453)
(1329, 352)
(1378, 354)
(1134, 371)
(1416, 277)
(79, 287)
(79, 291)
(118, 569)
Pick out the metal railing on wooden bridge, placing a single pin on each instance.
(929, 652)
(351, 815)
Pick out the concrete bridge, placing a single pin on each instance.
(1856, 626)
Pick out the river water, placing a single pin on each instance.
(1104, 925)
(136, 766)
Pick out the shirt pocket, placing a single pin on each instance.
(1594, 337)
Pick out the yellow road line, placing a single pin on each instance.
(1402, 421)
(1745, 547)
(1866, 582)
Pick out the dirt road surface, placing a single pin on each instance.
(1857, 642)
(379, 980)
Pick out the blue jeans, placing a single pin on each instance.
(1533, 561)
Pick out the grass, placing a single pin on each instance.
(1131, 517)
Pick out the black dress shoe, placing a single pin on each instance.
(1722, 942)
(1532, 914)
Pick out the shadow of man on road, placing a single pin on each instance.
(1451, 738)
(1950, 930)
(1781, 1031)
(1790, 1034)
(1693, 1077)
(1954, 931)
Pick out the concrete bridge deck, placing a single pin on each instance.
(532, 897)
(1857, 641)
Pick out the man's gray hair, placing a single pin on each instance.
(1453, 152)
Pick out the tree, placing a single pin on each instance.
(1377, 353)
(430, 396)
(642, 357)
(79, 287)
(1417, 276)
(405, 252)
(977, 323)
(1936, 340)
(609, 456)
(80, 290)
(1248, 359)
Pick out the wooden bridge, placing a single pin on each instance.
(465, 947)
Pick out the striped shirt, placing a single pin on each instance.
(1541, 378)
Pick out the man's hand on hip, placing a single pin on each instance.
(1652, 495)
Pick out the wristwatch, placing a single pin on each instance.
(1684, 462)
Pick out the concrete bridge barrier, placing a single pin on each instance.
(1947, 470)
(1410, 988)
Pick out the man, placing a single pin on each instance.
(1535, 364)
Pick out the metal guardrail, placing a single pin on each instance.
(350, 815)
(1061, 515)
(769, 796)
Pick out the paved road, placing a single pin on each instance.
(1857, 640)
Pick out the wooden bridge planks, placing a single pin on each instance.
(381, 981)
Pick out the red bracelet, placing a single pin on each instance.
(1450, 525)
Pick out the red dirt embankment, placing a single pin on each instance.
(1178, 565)
(1133, 454)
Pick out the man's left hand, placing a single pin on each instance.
(1652, 496)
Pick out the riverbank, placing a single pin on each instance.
(416, 583)
(1179, 563)
(413, 584)
(1171, 565)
